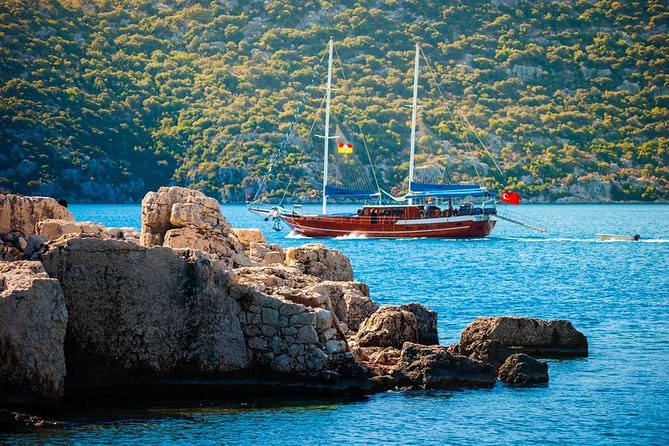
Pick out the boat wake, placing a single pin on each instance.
(352, 236)
(576, 240)
(293, 234)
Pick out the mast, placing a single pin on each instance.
(413, 119)
(327, 127)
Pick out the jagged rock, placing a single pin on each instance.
(318, 260)
(487, 351)
(389, 326)
(21, 214)
(193, 208)
(55, 228)
(214, 242)
(392, 326)
(523, 369)
(249, 237)
(526, 335)
(204, 213)
(350, 301)
(267, 254)
(433, 367)
(124, 233)
(33, 319)
(36, 245)
(138, 314)
(426, 323)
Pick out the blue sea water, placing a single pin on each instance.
(617, 293)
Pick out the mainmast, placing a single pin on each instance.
(327, 127)
(413, 119)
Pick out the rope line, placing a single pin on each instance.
(282, 146)
(462, 115)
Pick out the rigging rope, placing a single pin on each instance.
(462, 115)
(311, 130)
(282, 146)
(362, 135)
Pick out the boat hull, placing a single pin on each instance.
(474, 226)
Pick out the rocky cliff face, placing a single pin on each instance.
(138, 314)
(33, 317)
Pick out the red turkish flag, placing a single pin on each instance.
(509, 197)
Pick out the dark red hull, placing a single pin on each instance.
(389, 226)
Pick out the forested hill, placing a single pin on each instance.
(104, 100)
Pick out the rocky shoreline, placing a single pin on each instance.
(88, 312)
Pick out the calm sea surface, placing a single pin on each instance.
(617, 293)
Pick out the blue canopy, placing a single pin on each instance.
(352, 193)
(424, 187)
(422, 190)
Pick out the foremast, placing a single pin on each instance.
(413, 119)
(326, 136)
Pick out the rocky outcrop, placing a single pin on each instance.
(389, 326)
(138, 314)
(124, 233)
(433, 367)
(525, 335)
(350, 301)
(318, 260)
(392, 326)
(21, 214)
(520, 368)
(181, 218)
(249, 237)
(487, 351)
(33, 319)
(54, 228)
(178, 207)
(220, 246)
(426, 323)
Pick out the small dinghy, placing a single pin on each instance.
(619, 238)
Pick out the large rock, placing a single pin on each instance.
(520, 368)
(320, 261)
(433, 367)
(33, 319)
(350, 301)
(249, 237)
(426, 323)
(21, 214)
(392, 326)
(389, 326)
(144, 315)
(176, 207)
(54, 228)
(214, 242)
(526, 335)
(487, 351)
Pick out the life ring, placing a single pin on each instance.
(313, 193)
(395, 190)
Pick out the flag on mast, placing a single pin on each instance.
(345, 148)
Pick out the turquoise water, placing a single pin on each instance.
(617, 293)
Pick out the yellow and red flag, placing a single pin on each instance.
(345, 148)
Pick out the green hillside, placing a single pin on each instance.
(104, 100)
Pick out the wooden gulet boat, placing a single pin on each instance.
(425, 211)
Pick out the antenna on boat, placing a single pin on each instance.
(327, 127)
(413, 118)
